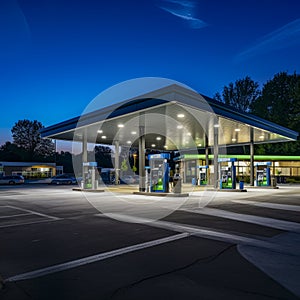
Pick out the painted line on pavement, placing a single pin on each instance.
(203, 232)
(33, 212)
(94, 258)
(14, 216)
(263, 221)
(269, 205)
(26, 223)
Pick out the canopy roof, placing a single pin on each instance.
(173, 117)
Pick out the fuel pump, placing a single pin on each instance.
(227, 173)
(90, 180)
(263, 173)
(159, 172)
(203, 175)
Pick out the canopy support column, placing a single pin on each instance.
(142, 159)
(84, 157)
(117, 162)
(251, 157)
(206, 151)
(216, 152)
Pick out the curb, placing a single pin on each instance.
(263, 187)
(87, 190)
(228, 190)
(235, 191)
(161, 194)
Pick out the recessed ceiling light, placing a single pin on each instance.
(100, 131)
(189, 134)
(103, 137)
(153, 145)
(133, 132)
(180, 115)
(199, 145)
(234, 140)
(128, 142)
(237, 129)
(165, 146)
(179, 127)
(216, 125)
(158, 138)
(120, 125)
(261, 137)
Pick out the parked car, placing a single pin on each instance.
(128, 179)
(136, 178)
(63, 179)
(13, 179)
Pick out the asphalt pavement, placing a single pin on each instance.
(61, 244)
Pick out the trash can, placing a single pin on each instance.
(241, 185)
(194, 181)
(273, 182)
(177, 185)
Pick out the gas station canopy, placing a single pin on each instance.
(172, 118)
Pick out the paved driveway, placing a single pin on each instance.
(56, 245)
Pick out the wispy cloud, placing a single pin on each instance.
(281, 38)
(183, 9)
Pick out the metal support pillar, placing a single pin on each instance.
(216, 153)
(184, 169)
(84, 157)
(117, 162)
(251, 157)
(142, 184)
(206, 151)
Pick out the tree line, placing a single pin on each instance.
(278, 101)
(29, 146)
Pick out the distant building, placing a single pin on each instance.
(30, 169)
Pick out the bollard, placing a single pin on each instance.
(241, 185)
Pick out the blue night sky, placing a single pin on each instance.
(57, 55)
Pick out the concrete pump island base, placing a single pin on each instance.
(163, 124)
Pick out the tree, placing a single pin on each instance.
(26, 135)
(65, 159)
(240, 94)
(11, 152)
(280, 103)
(280, 100)
(103, 156)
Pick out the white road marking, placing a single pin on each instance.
(269, 205)
(206, 233)
(37, 194)
(264, 221)
(27, 213)
(26, 223)
(94, 258)
(33, 212)
(14, 216)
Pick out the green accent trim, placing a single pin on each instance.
(241, 157)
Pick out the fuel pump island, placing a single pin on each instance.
(263, 174)
(158, 179)
(90, 176)
(228, 174)
(203, 175)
